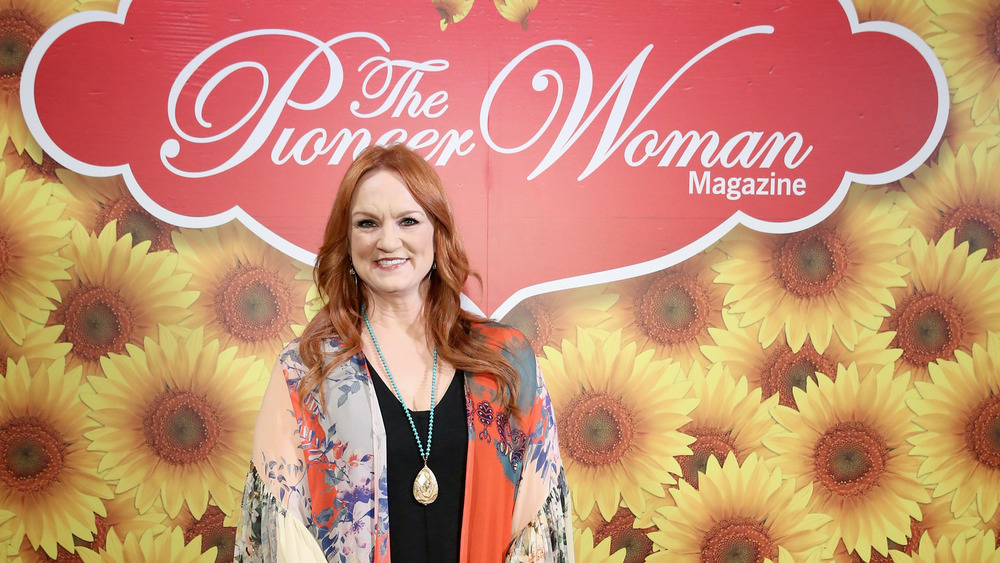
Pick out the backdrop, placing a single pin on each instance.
(754, 246)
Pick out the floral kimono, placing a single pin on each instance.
(316, 489)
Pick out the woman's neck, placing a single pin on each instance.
(406, 316)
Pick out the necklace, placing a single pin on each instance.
(425, 486)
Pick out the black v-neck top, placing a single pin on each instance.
(419, 533)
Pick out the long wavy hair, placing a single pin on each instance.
(450, 327)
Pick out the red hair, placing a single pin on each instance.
(450, 327)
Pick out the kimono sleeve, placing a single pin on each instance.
(542, 523)
(275, 523)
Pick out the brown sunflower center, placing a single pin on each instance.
(975, 223)
(850, 458)
(737, 539)
(784, 370)
(993, 35)
(181, 427)
(32, 452)
(708, 442)
(928, 327)
(635, 541)
(4, 254)
(253, 303)
(534, 322)
(133, 219)
(599, 429)
(982, 432)
(46, 168)
(97, 320)
(18, 33)
(213, 532)
(810, 263)
(674, 308)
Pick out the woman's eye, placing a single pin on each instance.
(408, 221)
(365, 224)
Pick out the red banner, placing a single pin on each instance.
(599, 141)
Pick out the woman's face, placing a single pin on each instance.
(392, 238)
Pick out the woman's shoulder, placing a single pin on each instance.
(290, 353)
(501, 335)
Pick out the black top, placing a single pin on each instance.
(419, 533)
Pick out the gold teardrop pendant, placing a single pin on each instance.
(425, 486)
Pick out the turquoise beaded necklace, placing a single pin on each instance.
(425, 486)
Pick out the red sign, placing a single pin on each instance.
(603, 141)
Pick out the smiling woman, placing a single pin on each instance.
(392, 239)
(347, 426)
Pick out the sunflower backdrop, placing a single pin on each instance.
(826, 395)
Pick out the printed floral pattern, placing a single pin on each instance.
(319, 464)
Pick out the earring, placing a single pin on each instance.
(434, 266)
(351, 270)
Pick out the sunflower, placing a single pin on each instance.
(176, 421)
(961, 130)
(654, 506)
(624, 531)
(969, 49)
(739, 512)
(587, 552)
(547, 319)
(49, 478)
(949, 303)
(516, 11)
(618, 414)
(6, 532)
(31, 233)
(23, 22)
(44, 170)
(250, 296)
(671, 311)
(314, 303)
(984, 524)
(95, 202)
(978, 548)
(452, 11)
(212, 528)
(831, 277)
(776, 369)
(123, 518)
(167, 547)
(730, 419)
(104, 5)
(959, 412)
(848, 441)
(911, 14)
(958, 192)
(936, 520)
(117, 294)
(39, 347)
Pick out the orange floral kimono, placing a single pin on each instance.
(316, 489)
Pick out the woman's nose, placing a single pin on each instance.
(388, 239)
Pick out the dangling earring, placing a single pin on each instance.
(434, 266)
(351, 270)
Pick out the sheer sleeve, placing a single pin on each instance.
(542, 523)
(275, 523)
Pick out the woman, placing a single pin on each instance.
(396, 409)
